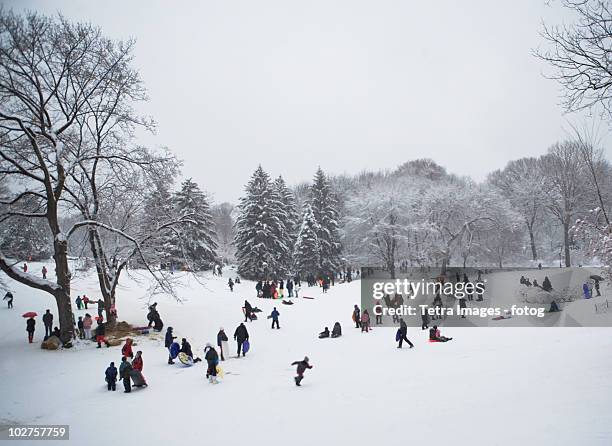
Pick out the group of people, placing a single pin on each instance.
(546, 284)
(272, 289)
(336, 332)
(130, 369)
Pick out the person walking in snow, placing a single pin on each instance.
(125, 370)
(169, 339)
(44, 272)
(301, 368)
(221, 338)
(240, 335)
(259, 288)
(110, 376)
(48, 322)
(87, 323)
(9, 298)
(403, 331)
(424, 319)
(274, 315)
(357, 316)
(212, 359)
(25, 267)
(30, 327)
(365, 321)
(230, 283)
(85, 301)
(79, 302)
(248, 311)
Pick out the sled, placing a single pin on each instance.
(246, 346)
(287, 302)
(398, 335)
(307, 297)
(185, 359)
(174, 350)
(142, 330)
(225, 349)
(220, 373)
(137, 378)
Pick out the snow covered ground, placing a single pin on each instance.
(489, 386)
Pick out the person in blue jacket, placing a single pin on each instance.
(111, 377)
(274, 315)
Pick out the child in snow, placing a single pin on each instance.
(274, 315)
(30, 327)
(87, 323)
(301, 368)
(434, 335)
(100, 334)
(365, 321)
(79, 302)
(337, 330)
(136, 374)
(324, 334)
(80, 328)
(230, 283)
(357, 316)
(125, 369)
(212, 359)
(126, 350)
(111, 377)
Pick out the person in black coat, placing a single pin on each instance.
(357, 316)
(248, 311)
(337, 330)
(324, 334)
(48, 321)
(125, 370)
(221, 338)
(169, 339)
(403, 332)
(100, 334)
(9, 298)
(186, 348)
(240, 335)
(301, 368)
(111, 377)
(30, 327)
(212, 359)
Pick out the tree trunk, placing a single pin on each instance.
(534, 253)
(101, 268)
(62, 295)
(566, 242)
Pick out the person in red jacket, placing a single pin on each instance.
(137, 363)
(126, 351)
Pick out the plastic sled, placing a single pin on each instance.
(307, 297)
(174, 350)
(398, 335)
(220, 372)
(185, 359)
(287, 302)
(137, 378)
(246, 346)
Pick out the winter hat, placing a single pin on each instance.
(306, 359)
(221, 329)
(208, 344)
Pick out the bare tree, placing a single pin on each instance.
(564, 176)
(581, 55)
(65, 120)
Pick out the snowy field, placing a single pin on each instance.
(489, 386)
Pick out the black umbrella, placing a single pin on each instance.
(596, 277)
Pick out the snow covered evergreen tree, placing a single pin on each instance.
(292, 219)
(307, 253)
(261, 236)
(324, 206)
(159, 209)
(197, 240)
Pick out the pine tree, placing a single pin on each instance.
(197, 239)
(292, 219)
(324, 207)
(307, 252)
(159, 210)
(261, 235)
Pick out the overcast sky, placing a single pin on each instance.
(348, 85)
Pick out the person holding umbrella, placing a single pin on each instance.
(30, 325)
